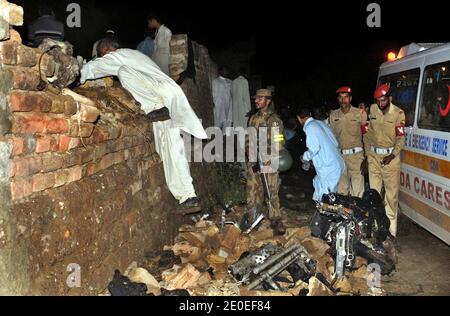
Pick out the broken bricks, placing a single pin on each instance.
(207, 253)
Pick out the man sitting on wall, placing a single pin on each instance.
(159, 96)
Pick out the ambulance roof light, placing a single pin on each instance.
(391, 56)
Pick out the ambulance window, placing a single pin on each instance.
(403, 87)
(434, 110)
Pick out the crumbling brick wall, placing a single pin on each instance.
(81, 183)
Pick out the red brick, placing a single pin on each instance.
(80, 129)
(20, 101)
(23, 167)
(45, 143)
(42, 181)
(18, 144)
(58, 105)
(99, 135)
(57, 126)
(85, 154)
(27, 123)
(75, 173)
(61, 177)
(51, 162)
(107, 161)
(92, 168)
(26, 56)
(24, 78)
(8, 52)
(71, 158)
(99, 151)
(64, 142)
(70, 107)
(89, 114)
(21, 187)
(75, 142)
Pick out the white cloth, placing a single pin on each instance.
(241, 101)
(323, 150)
(161, 53)
(153, 89)
(223, 104)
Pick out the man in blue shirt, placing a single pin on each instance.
(147, 45)
(323, 150)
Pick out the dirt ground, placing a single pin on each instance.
(423, 267)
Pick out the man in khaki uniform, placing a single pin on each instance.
(255, 186)
(383, 142)
(348, 125)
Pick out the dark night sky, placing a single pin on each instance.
(311, 49)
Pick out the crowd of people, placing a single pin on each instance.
(344, 145)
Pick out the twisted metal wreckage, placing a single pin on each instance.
(346, 223)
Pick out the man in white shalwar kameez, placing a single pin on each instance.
(223, 103)
(155, 91)
(241, 106)
(240, 94)
(163, 35)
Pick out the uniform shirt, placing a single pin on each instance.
(386, 130)
(348, 127)
(274, 125)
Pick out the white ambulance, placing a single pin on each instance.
(419, 79)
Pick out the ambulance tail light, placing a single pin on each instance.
(391, 56)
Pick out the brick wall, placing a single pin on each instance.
(80, 182)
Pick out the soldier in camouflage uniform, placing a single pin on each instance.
(255, 185)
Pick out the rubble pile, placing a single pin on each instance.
(203, 257)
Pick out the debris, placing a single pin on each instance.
(123, 286)
(168, 259)
(204, 279)
(299, 287)
(292, 264)
(262, 234)
(186, 277)
(195, 239)
(246, 292)
(186, 252)
(317, 288)
(229, 236)
(165, 292)
(316, 247)
(140, 275)
(343, 285)
(294, 235)
(242, 245)
(359, 262)
(224, 287)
